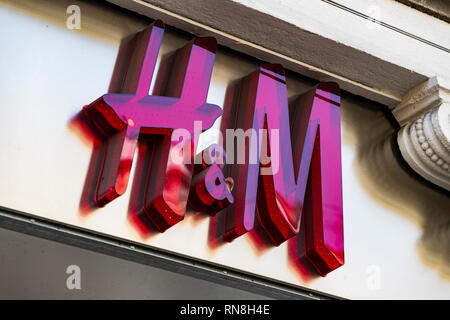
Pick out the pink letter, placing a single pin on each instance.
(123, 116)
(314, 150)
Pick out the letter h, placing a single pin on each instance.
(125, 115)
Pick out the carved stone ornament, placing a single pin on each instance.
(424, 138)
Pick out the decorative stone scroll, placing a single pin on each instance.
(424, 138)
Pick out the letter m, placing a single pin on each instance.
(305, 184)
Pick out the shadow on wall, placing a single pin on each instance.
(372, 130)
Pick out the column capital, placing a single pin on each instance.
(424, 138)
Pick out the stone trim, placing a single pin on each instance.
(424, 139)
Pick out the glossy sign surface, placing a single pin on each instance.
(210, 190)
(261, 103)
(123, 116)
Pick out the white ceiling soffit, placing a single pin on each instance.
(378, 49)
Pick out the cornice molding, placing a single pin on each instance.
(424, 138)
(380, 60)
(425, 97)
(325, 40)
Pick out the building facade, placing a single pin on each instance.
(391, 60)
